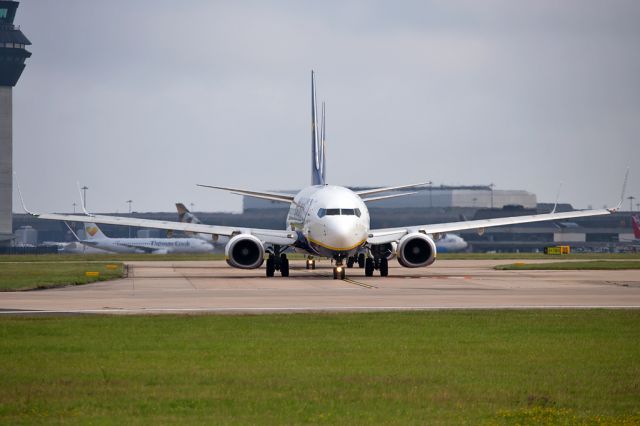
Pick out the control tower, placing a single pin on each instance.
(12, 57)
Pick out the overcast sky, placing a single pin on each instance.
(143, 99)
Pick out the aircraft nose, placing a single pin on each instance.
(344, 234)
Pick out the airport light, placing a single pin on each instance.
(631, 198)
(129, 202)
(84, 196)
(74, 207)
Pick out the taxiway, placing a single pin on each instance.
(191, 287)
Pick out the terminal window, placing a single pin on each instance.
(3, 13)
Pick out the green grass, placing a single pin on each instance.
(449, 367)
(107, 257)
(501, 256)
(28, 276)
(559, 266)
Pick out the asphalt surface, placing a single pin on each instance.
(199, 287)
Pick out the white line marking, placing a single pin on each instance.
(317, 309)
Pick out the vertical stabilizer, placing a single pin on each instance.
(184, 215)
(317, 140)
(92, 232)
(635, 223)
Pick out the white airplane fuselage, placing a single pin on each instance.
(330, 220)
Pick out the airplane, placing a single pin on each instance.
(327, 221)
(635, 224)
(185, 216)
(95, 238)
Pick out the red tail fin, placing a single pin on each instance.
(635, 222)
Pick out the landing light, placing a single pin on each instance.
(339, 269)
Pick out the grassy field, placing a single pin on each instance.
(558, 266)
(107, 257)
(530, 256)
(450, 367)
(28, 276)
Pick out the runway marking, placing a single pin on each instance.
(365, 285)
(310, 309)
(346, 279)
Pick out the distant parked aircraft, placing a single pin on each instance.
(97, 239)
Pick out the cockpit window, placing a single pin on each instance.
(339, 212)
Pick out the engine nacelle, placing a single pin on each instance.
(416, 250)
(244, 251)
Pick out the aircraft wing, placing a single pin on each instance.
(270, 236)
(382, 236)
(388, 235)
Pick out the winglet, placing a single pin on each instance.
(555, 206)
(82, 202)
(624, 190)
(24, 207)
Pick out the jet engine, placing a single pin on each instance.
(416, 250)
(244, 251)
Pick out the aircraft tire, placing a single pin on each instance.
(284, 267)
(361, 261)
(270, 266)
(350, 262)
(368, 267)
(384, 267)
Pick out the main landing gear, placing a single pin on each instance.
(359, 258)
(380, 263)
(277, 261)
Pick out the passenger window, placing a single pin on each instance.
(333, 212)
(321, 212)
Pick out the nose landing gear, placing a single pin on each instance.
(339, 272)
(311, 263)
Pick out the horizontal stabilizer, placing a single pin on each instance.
(273, 196)
(390, 188)
(384, 197)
